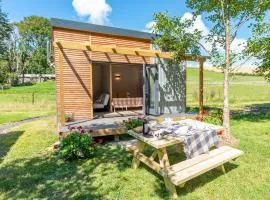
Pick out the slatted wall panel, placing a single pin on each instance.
(99, 39)
(77, 77)
(78, 73)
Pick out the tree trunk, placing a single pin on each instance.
(22, 77)
(226, 109)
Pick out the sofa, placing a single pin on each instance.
(129, 102)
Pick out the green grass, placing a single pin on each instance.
(27, 171)
(243, 91)
(16, 102)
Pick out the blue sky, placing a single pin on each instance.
(124, 13)
(129, 14)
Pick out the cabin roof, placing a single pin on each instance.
(74, 25)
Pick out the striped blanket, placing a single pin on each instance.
(198, 137)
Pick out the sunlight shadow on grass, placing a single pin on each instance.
(252, 117)
(49, 176)
(7, 141)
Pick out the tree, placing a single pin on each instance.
(5, 33)
(258, 47)
(5, 30)
(227, 16)
(12, 67)
(173, 35)
(34, 33)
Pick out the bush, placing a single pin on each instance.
(77, 145)
(69, 117)
(133, 123)
(213, 117)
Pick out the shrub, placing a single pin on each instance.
(133, 123)
(214, 117)
(69, 117)
(77, 145)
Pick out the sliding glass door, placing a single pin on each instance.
(151, 90)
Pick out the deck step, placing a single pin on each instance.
(186, 170)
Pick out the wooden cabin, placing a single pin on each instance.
(91, 60)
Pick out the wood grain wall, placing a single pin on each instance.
(77, 68)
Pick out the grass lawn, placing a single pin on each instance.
(27, 171)
(16, 102)
(243, 91)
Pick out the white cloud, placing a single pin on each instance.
(149, 26)
(197, 24)
(237, 45)
(96, 10)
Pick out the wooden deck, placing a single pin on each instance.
(101, 126)
(118, 113)
(112, 124)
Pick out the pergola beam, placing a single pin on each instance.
(86, 46)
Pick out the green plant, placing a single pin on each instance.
(213, 117)
(77, 145)
(133, 123)
(69, 117)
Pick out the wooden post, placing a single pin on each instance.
(33, 97)
(110, 85)
(137, 151)
(91, 88)
(221, 168)
(91, 78)
(185, 66)
(61, 83)
(201, 87)
(164, 164)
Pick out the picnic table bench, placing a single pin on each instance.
(178, 174)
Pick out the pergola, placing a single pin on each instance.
(86, 46)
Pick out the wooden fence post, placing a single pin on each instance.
(201, 88)
(33, 97)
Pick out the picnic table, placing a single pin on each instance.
(179, 173)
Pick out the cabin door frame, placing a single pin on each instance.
(151, 89)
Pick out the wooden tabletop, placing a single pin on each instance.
(155, 142)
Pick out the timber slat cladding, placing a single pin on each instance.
(70, 35)
(77, 87)
(77, 72)
(98, 56)
(98, 39)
